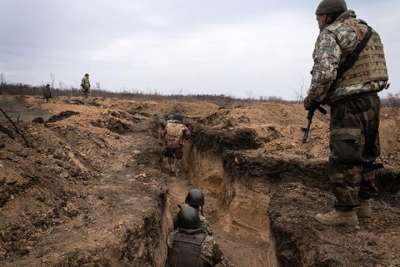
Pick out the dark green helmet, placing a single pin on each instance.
(195, 198)
(176, 116)
(188, 218)
(331, 7)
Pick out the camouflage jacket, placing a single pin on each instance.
(175, 133)
(210, 251)
(85, 83)
(334, 43)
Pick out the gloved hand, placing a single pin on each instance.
(310, 104)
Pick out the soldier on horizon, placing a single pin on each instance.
(85, 85)
(349, 71)
(47, 93)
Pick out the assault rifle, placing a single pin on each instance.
(310, 116)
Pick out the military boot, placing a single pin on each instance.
(336, 217)
(364, 211)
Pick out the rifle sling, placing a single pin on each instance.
(352, 58)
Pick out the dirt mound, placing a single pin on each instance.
(302, 241)
(114, 125)
(62, 116)
(221, 139)
(71, 199)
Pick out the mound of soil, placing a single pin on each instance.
(62, 116)
(302, 241)
(221, 139)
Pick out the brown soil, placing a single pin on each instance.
(90, 192)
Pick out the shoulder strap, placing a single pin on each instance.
(353, 57)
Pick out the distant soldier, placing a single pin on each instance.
(85, 85)
(190, 246)
(349, 70)
(47, 93)
(195, 199)
(174, 135)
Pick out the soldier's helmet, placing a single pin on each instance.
(331, 7)
(175, 116)
(87, 74)
(195, 198)
(188, 218)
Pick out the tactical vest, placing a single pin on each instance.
(85, 83)
(186, 250)
(371, 64)
(174, 134)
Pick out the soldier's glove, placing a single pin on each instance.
(310, 104)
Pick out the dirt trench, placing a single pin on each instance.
(236, 208)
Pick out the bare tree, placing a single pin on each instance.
(299, 94)
(2, 82)
(53, 79)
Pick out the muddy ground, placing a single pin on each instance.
(88, 188)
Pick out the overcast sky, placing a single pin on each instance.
(239, 48)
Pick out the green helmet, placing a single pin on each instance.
(188, 218)
(195, 198)
(331, 6)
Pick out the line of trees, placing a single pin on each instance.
(392, 100)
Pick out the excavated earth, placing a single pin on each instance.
(89, 187)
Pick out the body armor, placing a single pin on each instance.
(186, 249)
(174, 134)
(371, 64)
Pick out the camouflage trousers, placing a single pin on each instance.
(354, 147)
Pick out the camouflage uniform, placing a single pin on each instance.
(355, 106)
(85, 84)
(47, 93)
(174, 137)
(210, 253)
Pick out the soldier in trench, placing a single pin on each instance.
(190, 246)
(349, 84)
(195, 199)
(174, 135)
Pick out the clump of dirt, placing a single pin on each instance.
(62, 116)
(221, 139)
(96, 102)
(114, 125)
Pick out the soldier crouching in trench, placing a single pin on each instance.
(190, 246)
(195, 199)
(349, 84)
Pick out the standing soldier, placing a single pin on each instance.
(349, 71)
(190, 246)
(85, 84)
(47, 92)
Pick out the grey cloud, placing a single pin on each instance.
(169, 45)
